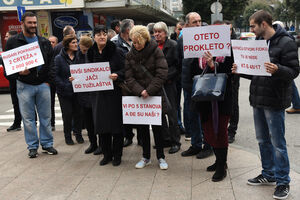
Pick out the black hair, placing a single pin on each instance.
(27, 14)
(99, 28)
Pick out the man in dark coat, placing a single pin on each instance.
(192, 122)
(33, 88)
(269, 97)
(123, 41)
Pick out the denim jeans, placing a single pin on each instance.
(179, 89)
(37, 97)
(295, 97)
(270, 131)
(192, 122)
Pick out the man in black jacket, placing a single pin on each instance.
(33, 89)
(269, 97)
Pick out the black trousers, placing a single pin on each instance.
(145, 137)
(89, 124)
(234, 118)
(112, 145)
(15, 102)
(171, 129)
(71, 114)
(52, 91)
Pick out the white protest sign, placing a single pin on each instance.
(21, 58)
(215, 39)
(250, 56)
(91, 77)
(137, 110)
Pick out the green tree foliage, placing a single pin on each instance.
(232, 9)
(294, 7)
(252, 8)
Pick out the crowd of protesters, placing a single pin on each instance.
(150, 63)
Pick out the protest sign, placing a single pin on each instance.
(250, 56)
(21, 58)
(137, 110)
(215, 39)
(91, 77)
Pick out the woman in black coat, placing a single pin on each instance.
(107, 105)
(70, 108)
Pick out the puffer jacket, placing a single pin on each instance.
(154, 61)
(275, 92)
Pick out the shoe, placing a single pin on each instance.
(49, 150)
(69, 141)
(105, 161)
(293, 111)
(98, 151)
(182, 131)
(143, 163)
(281, 192)
(162, 164)
(260, 180)
(13, 128)
(91, 149)
(190, 152)
(220, 173)
(127, 142)
(79, 138)
(174, 149)
(213, 167)
(231, 139)
(53, 128)
(187, 138)
(32, 153)
(116, 162)
(204, 153)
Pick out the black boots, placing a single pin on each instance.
(220, 166)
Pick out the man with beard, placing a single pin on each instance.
(33, 89)
(269, 97)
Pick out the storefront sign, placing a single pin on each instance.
(91, 77)
(137, 110)
(40, 4)
(43, 24)
(21, 58)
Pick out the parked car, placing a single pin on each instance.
(247, 36)
(4, 83)
(296, 36)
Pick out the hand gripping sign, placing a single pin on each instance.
(250, 56)
(91, 77)
(215, 39)
(137, 110)
(21, 58)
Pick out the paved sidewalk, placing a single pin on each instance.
(73, 175)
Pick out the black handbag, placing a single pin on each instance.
(208, 86)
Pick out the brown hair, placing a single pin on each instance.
(260, 16)
(27, 14)
(67, 39)
(86, 41)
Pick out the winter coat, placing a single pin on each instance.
(275, 91)
(62, 64)
(225, 106)
(152, 58)
(35, 77)
(107, 105)
(122, 44)
(170, 52)
(84, 98)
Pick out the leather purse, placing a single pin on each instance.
(208, 86)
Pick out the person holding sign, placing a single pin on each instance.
(107, 104)
(269, 97)
(68, 100)
(33, 88)
(145, 57)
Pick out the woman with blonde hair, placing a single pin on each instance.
(143, 59)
